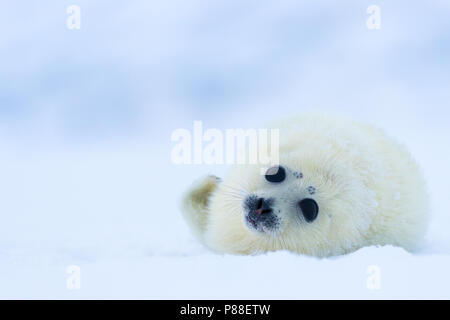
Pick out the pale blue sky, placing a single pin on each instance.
(148, 65)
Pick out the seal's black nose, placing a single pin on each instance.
(259, 213)
(263, 207)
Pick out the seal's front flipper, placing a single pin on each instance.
(196, 203)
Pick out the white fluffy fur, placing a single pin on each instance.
(369, 191)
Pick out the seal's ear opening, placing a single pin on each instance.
(196, 202)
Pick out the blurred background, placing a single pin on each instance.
(86, 115)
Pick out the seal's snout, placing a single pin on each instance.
(259, 213)
(263, 207)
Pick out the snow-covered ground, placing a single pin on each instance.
(86, 118)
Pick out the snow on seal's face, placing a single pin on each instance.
(339, 186)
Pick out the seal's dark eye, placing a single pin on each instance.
(310, 209)
(275, 174)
